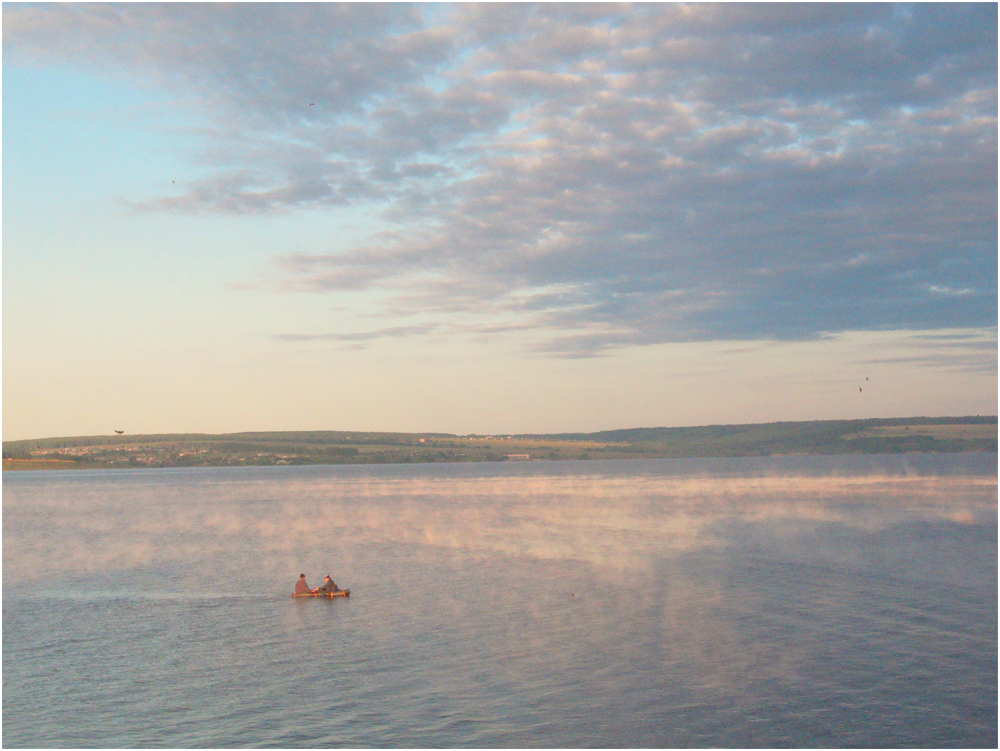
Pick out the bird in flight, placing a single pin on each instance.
(119, 432)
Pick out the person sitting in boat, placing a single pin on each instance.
(329, 585)
(302, 588)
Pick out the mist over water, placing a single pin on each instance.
(798, 601)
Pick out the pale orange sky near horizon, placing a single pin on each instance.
(663, 386)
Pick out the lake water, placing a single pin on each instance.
(779, 602)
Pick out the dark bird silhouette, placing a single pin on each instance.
(119, 432)
(311, 104)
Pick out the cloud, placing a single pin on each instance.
(360, 338)
(676, 172)
(972, 351)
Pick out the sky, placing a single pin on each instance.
(495, 218)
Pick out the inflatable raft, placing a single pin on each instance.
(327, 595)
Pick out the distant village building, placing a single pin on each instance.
(520, 457)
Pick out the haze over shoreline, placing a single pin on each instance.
(872, 436)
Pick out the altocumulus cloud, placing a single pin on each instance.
(602, 175)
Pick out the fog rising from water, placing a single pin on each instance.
(291, 522)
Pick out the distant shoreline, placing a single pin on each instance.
(810, 438)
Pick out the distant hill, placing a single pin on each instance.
(873, 436)
(876, 436)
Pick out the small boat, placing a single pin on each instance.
(327, 595)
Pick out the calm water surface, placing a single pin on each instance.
(830, 601)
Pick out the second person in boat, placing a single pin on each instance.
(329, 585)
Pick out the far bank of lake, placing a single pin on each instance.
(812, 438)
